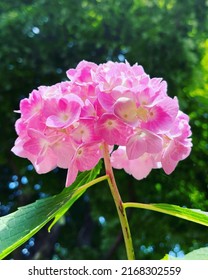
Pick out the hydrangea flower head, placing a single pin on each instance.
(65, 125)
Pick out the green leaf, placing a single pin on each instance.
(193, 215)
(16, 228)
(199, 254)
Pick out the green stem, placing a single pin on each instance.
(93, 182)
(119, 204)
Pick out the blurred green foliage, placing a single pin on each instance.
(39, 41)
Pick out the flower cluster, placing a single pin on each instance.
(65, 125)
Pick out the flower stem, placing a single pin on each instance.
(119, 205)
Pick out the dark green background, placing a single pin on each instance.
(39, 41)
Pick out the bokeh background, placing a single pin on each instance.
(39, 41)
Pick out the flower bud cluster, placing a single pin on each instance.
(66, 124)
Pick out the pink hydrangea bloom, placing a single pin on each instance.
(66, 124)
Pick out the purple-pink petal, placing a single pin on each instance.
(112, 130)
(141, 142)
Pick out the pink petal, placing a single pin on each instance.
(85, 132)
(113, 130)
(161, 116)
(66, 115)
(87, 156)
(154, 142)
(46, 162)
(18, 148)
(119, 158)
(32, 105)
(126, 110)
(168, 163)
(141, 167)
(141, 142)
(180, 151)
(64, 151)
(138, 70)
(88, 110)
(82, 73)
(136, 146)
(71, 174)
(106, 100)
(35, 145)
(21, 127)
